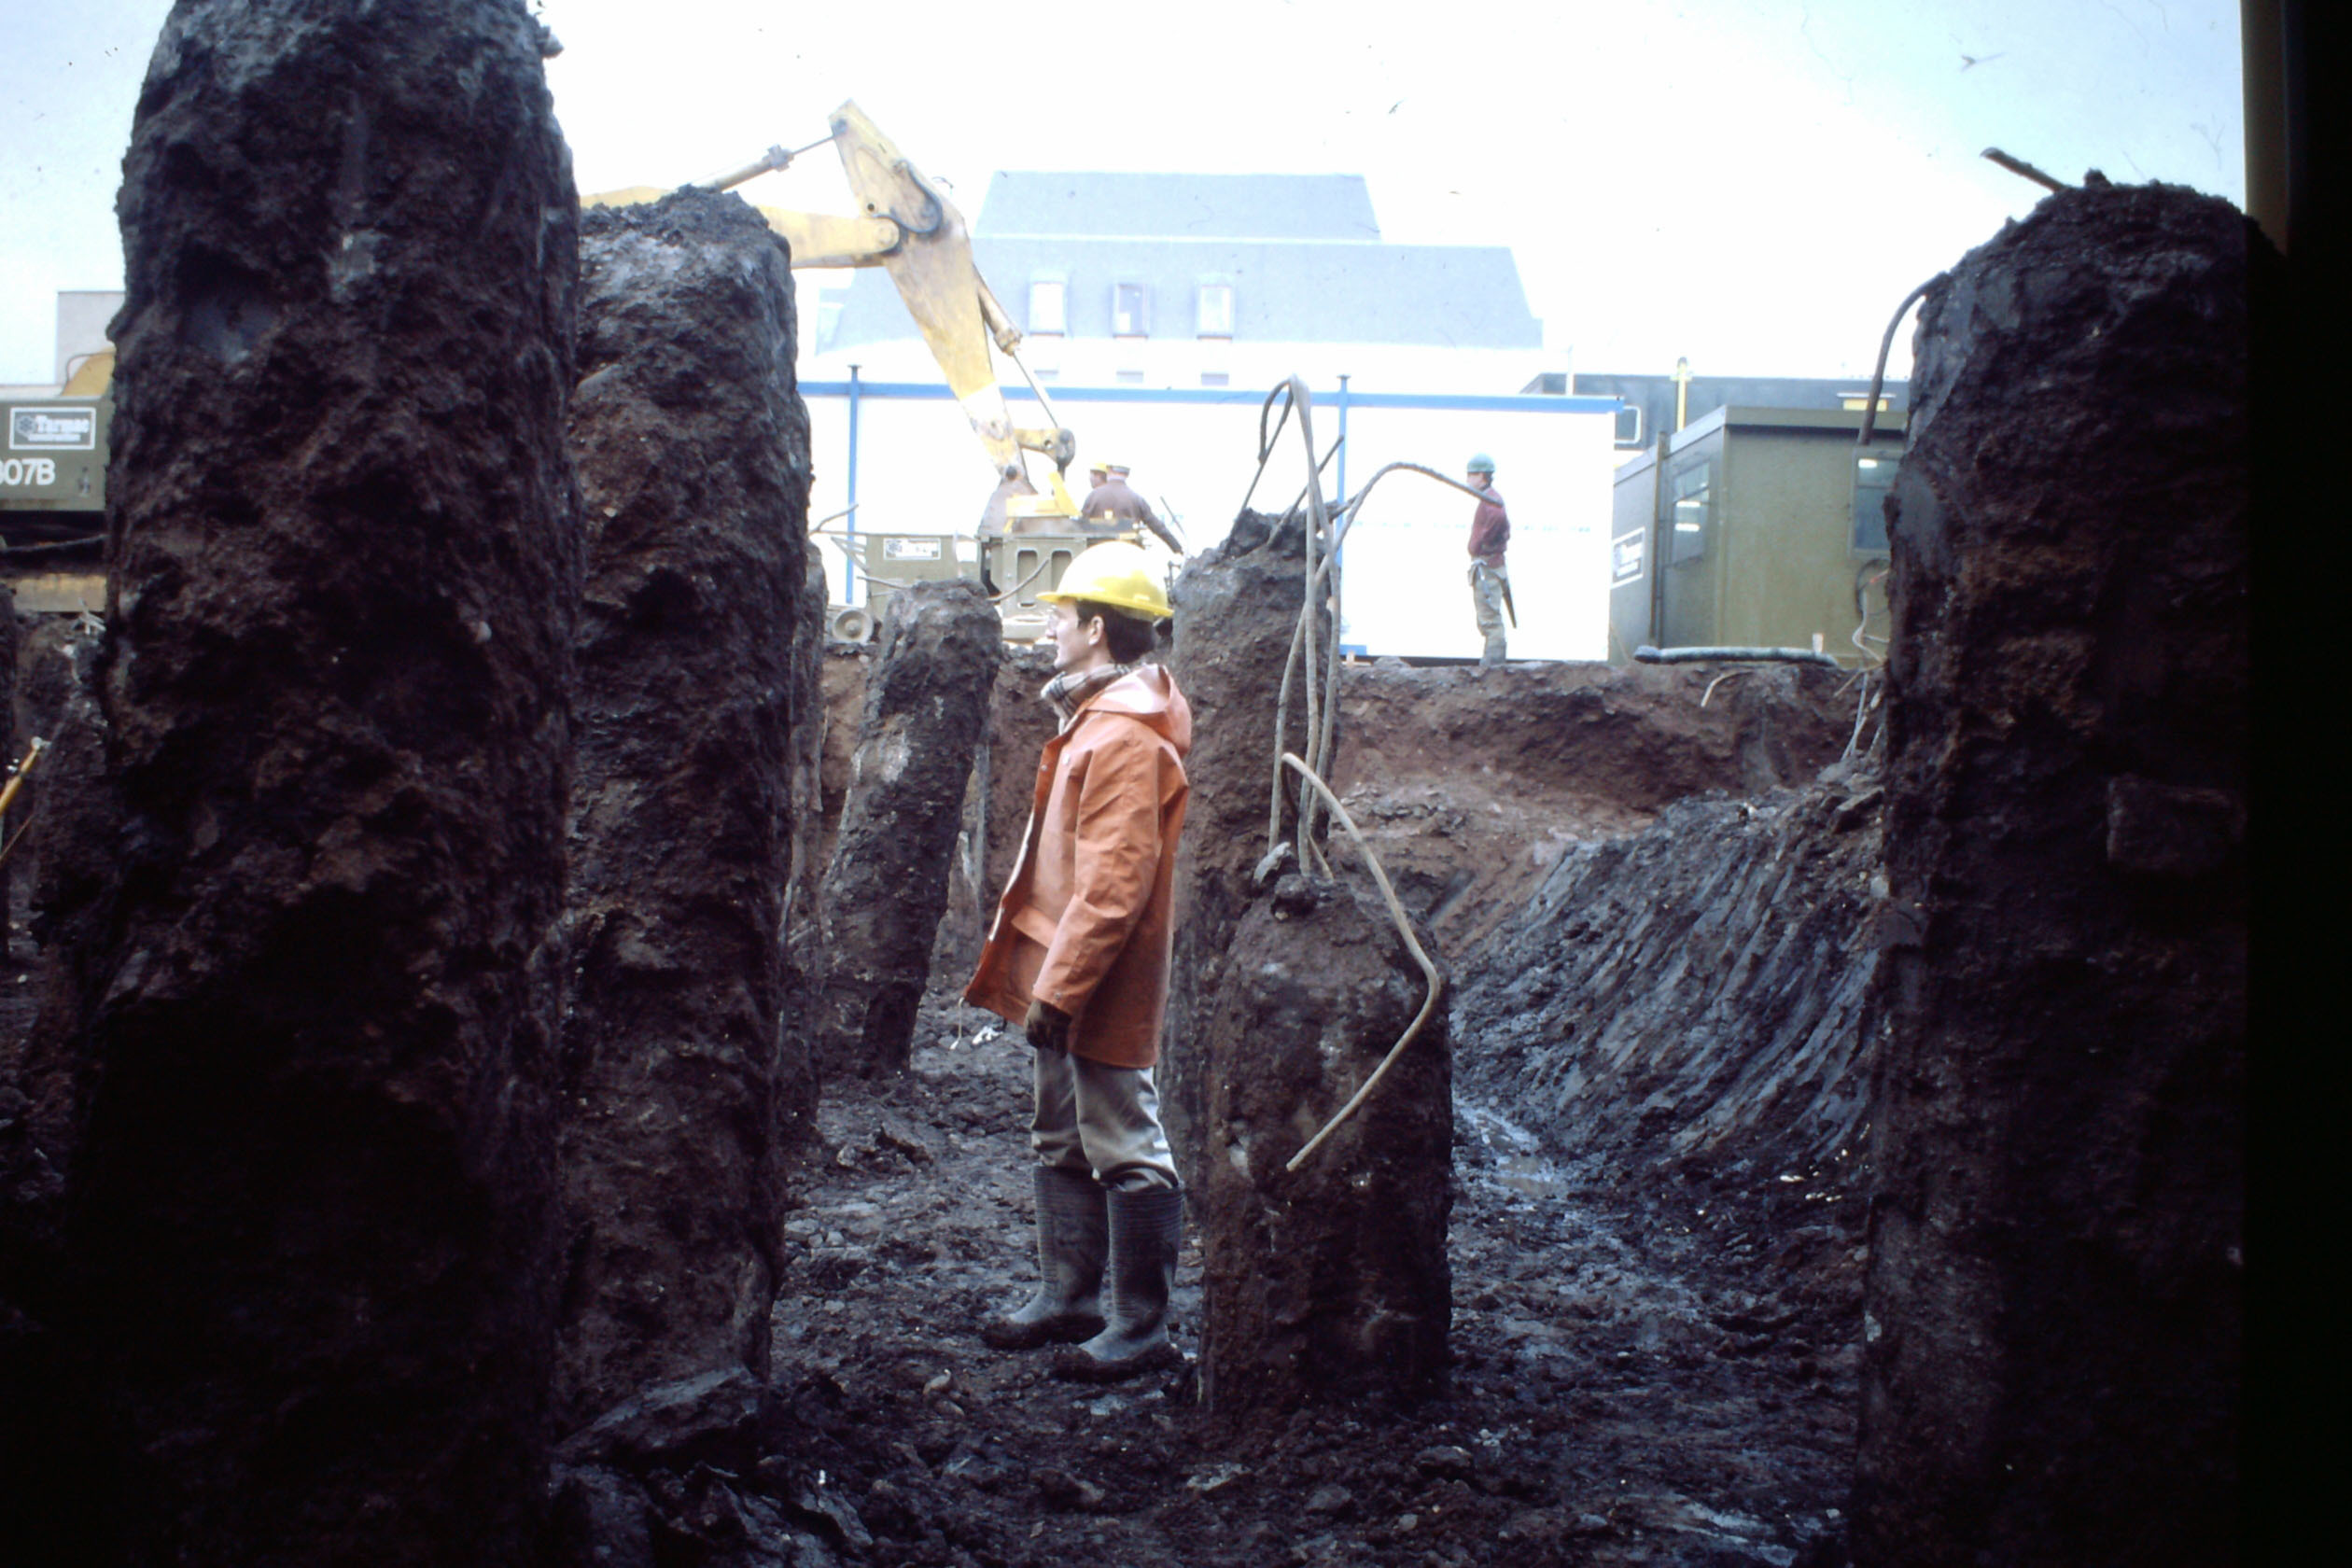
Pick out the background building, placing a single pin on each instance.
(1209, 280)
(1159, 310)
(1756, 527)
(1650, 401)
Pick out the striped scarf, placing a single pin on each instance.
(1066, 691)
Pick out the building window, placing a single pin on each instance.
(1694, 501)
(1216, 310)
(1873, 477)
(1127, 311)
(1048, 306)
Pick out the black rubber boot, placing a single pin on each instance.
(1146, 1230)
(1072, 1230)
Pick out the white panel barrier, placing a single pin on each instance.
(919, 469)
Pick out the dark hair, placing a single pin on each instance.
(1130, 636)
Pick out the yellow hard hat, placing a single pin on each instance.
(1113, 573)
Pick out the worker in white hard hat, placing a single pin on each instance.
(1489, 536)
(1079, 957)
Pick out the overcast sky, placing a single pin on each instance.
(1751, 183)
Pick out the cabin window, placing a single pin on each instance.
(1873, 477)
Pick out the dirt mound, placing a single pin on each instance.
(1470, 785)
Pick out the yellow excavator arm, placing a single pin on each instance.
(911, 230)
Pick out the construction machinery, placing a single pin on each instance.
(56, 455)
(910, 229)
(54, 490)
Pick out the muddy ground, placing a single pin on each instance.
(1659, 1372)
(1647, 1368)
(1636, 1381)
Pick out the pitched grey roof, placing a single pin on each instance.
(1179, 206)
(1327, 279)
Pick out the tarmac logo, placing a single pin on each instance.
(1625, 558)
(54, 429)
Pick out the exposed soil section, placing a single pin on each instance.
(416, 1162)
(2056, 1273)
(1328, 1282)
(924, 720)
(1237, 617)
(1470, 785)
(679, 1083)
(318, 836)
(805, 763)
(1684, 1004)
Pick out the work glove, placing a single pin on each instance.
(1047, 1026)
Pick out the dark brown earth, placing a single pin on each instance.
(1238, 611)
(1652, 1371)
(681, 1087)
(922, 723)
(1470, 786)
(293, 1080)
(280, 1171)
(2057, 1273)
(1328, 1282)
(1633, 1380)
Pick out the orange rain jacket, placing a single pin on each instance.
(1088, 918)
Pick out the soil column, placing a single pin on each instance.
(680, 1093)
(804, 926)
(1331, 1281)
(925, 713)
(310, 1238)
(2052, 1342)
(1237, 611)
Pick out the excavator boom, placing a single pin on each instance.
(909, 228)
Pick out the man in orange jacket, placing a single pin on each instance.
(1079, 957)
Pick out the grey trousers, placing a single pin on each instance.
(1485, 596)
(1099, 1119)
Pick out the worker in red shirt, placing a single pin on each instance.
(1490, 535)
